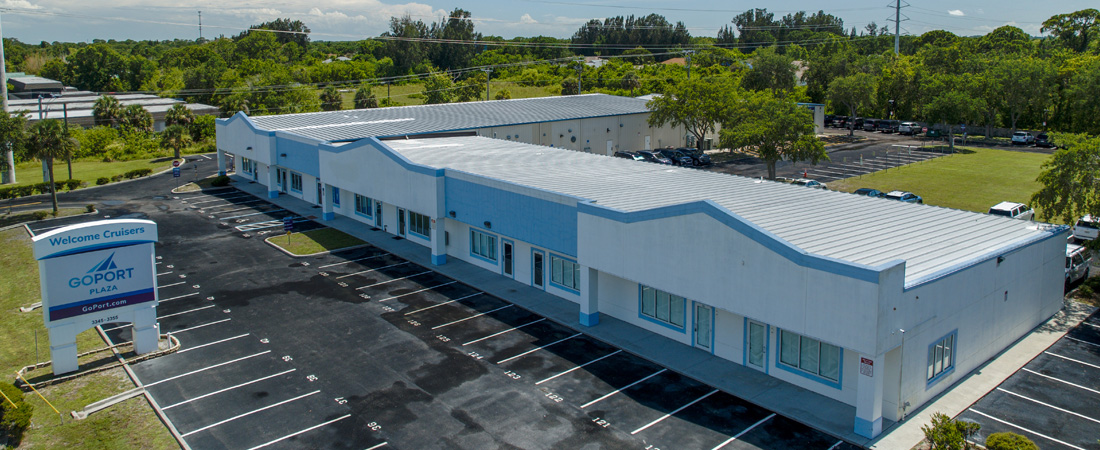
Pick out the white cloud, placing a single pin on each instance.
(956, 12)
(526, 18)
(18, 4)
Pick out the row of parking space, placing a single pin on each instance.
(1054, 400)
(620, 398)
(841, 167)
(247, 213)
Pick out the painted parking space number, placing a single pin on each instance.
(413, 323)
(311, 378)
(287, 358)
(374, 426)
(341, 400)
(443, 338)
(601, 422)
(476, 355)
(512, 375)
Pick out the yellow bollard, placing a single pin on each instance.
(9, 400)
(39, 394)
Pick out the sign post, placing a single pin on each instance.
(288, 227)
(93, 274)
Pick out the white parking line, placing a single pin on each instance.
(372, 270)
(580, 366)
(1094, 366)
(250, 413)
(1082, 341)
(230, 210)
(471, 317)
(616, 391)
(251, 214)
(378, 446)
(165, 273)
(655, 422)
(395, 279)
(1091, 325)
(536, 348)
(418, 291)
(170, 285)
(1049, 405)
(252, 204)
(837, 444)
(268, 224)
(212, 343)
(746, 430)
(444, 303)
(206, 368)
(301, 432)
(1078, 386)
(501, 332)
(1025, 429)
(185, 312)
(204, 156)
(354, 260)
(219, 199)
(178, 297)
(219, 391)
(200, 326)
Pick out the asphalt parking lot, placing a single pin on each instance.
(1055, 399)
(362, 349)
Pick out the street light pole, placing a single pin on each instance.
(488, 75)
(9, 154)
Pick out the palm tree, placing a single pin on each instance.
(137, 118)
(179, 114)
(631, 81)
(364, 98)
(176, 138)
(331, 99)
(47, 140)
(107, 109)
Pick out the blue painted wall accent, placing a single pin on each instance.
(752, 231)
(439, 260)
(272, 194)
(866, 428)
(590, 320)
(301, 156)
(328, 216)
(539, 222)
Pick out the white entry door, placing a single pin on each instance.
(704, 326)
(610, 148)
(757, 344)
(647, 145)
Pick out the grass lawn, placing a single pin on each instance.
(12, 219)
(131, 424)
(205, 183)
(973, 179)
(87, 170)
(310, 242)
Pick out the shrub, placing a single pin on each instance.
(1009, 441)
(6, 193)
(137, 173)
(946, 433)
(220, 181)
(39, 215)
(116, 178)
(73, 185)
(503, 94)
(14, 420)
(102, 181)
(42, 188)
(1085, 291)
(89, 208)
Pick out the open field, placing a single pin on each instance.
(130, 424)
(86, 170)
(973, 179)
(410, 94)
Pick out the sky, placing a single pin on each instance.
(33, 21)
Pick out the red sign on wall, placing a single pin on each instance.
(866, 367)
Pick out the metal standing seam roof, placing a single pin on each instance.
(839, 225)
(355, 124)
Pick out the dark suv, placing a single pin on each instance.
(677, 157)
(698, 158)
(654, 156)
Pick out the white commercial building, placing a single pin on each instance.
(874, 303)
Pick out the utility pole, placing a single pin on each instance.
(897, 24)
(580, 68)
(688, 53)
(488, 75)
(200, 26)
(10, 155)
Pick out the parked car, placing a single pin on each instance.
(888, 126)
(1022, 138)
(1043, 140)
(829, 119)
(870, 192)
(840, 122)
(902, 196)
(1086, 229)
(1078, 260)
(909, 128)
(698, 157)
(629, 155)
(677, 157)
(654, 157)
(870, 124)
(1012, 210)
(857, 123)
(809, 183)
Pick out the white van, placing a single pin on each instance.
(1086, 229)
(1013, 210)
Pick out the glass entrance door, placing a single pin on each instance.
(757, 348)
(400, 222)
(508, 257)
(704, 323)
(378, 214)
(537, 269)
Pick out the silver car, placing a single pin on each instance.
(1078, 260)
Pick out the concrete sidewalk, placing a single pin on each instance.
(812, 409)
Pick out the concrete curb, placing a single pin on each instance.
(292, 255)
(24, 224)
(107, 402)
(116, 183)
